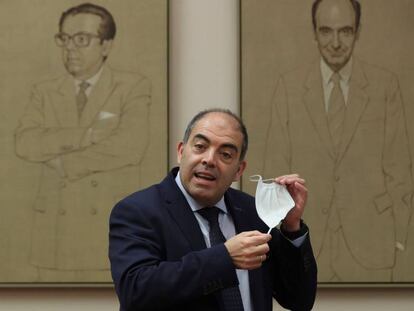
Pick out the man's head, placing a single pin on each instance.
(336, 26)
(211, 155)
(85, 35)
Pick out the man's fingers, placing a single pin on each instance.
(289, 179)
(250, 262)
(248, 249)
(252, 233)
(259, 250)
(300, 187)
(255, 237)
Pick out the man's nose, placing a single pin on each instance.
(336, 41)
(70, 45)
(209, 158)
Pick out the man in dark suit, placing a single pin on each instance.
(163, 247)
(89, 130)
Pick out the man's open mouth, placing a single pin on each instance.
(205, 176)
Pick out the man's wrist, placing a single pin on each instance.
(292, 235)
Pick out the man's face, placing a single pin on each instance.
(336, 32)
(84, 62)
(210, 160)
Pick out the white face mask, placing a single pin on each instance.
(273, 201)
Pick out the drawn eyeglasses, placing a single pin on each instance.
(80, 39)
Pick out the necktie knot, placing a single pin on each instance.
(83, 86)
(336, 78)
(210, 214)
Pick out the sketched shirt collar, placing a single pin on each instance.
(195, 206)
(92, 80)
(327, 72)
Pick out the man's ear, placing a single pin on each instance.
(106, 47)
(180, 148)
(358, 31)
(315, 32)
(242, 167)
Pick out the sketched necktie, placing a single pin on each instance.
(81, 97)
(231, 296)
(336, 112)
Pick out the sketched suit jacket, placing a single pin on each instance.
(159, 259)
(369, 184)
(100, 153)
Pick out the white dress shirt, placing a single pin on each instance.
(328, 84)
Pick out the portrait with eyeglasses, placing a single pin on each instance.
(80, 40)
(84, 136)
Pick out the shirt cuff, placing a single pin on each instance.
(296, 237)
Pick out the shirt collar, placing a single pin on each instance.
(92, 80)
(327, 72)
(195, 206)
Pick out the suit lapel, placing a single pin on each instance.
(181, 213)
(240, 220)
(313, 99)
(357, 102)
(64, 102)
(97, 98)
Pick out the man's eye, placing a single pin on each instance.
(82, 39)
(198, 146)
(347, 31)
(226, 155)
(324, 31)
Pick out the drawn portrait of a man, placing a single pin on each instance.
(88, 130)
(339, 121)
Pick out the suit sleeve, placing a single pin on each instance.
(145, 276)
(119, 146)
(38, 143)
(294, 272)
(277, 155)
(396, 161)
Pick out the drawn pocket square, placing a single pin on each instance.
(106, 115)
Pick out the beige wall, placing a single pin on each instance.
(203, 73)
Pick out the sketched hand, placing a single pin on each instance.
(56, 164)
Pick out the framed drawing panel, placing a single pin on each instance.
(65, 164)
(358, 169)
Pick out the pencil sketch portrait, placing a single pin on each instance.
(338, 118)
(85, 135)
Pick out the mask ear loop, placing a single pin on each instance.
(257, 178)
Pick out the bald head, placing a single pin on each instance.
(336, 25)
(239, 122)
(356, 6)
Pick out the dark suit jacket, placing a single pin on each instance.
(159, 259)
